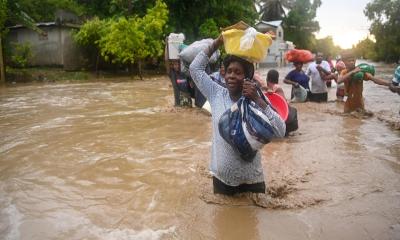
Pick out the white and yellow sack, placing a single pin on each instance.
(248, 44)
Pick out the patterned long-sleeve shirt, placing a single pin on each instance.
(226, 163)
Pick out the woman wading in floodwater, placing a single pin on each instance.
(230, 173)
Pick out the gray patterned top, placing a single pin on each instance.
(226, 164)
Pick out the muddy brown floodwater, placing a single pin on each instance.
(114, 160)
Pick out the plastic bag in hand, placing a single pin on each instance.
(246, 128)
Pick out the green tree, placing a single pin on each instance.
(131, 40)
(44, 10)
(385, 26)
(11, 11)
(209, 29)
(326, 46)
(365, 49)
(300, 25)
(89, 36)
(185, 15)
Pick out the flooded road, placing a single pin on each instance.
(114, 160)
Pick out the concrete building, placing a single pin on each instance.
(54, 48)
(276, 52)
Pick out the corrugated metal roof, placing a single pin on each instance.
(47, 24)
(275, 23)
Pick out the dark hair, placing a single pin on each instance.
(273, 76)
(248, 67)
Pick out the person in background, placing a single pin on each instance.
(395, 84)
(354, 88)
(219, 76)
(272, 86)
(333, 70)
(319, 71)
(271, 82)
(340, 66)
(231, 174)
(297, 78)
(174, 75)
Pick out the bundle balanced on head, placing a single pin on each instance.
(353, 77)
(235, 159)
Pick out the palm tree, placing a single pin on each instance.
(273, 9)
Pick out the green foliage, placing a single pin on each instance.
(130, 39)
(385, 26)
(186, 15)
(326, 46)
(300, 25)
(365, 49)
(16, 11)
(98, 8)
(129, 7)
(3, 13)
(20, 55)
(153, 26)
(209, 29)
(123, 40)
(126, 40)
(91, 32)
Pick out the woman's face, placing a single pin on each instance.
(234, 76)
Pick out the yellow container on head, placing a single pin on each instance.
(256, 52)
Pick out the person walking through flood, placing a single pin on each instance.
(318, 70)
(271, 85)
(395, 84)
(333, 70)
(297, 77)
(231, 174)
(353, 87)
(219, 76)
(173, 72)
(340, 66)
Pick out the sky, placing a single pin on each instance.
(344, 20)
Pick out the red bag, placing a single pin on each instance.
(299, 55)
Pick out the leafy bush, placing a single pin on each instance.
(209, 29)
(20, 55)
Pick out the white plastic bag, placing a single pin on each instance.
(247, 41)
(300, 94)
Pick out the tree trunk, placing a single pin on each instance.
(2, 67)
(140, 69)
(97, 64)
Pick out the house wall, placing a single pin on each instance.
(275, 54)
(55, 49)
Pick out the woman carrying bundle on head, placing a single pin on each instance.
(231, 172)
